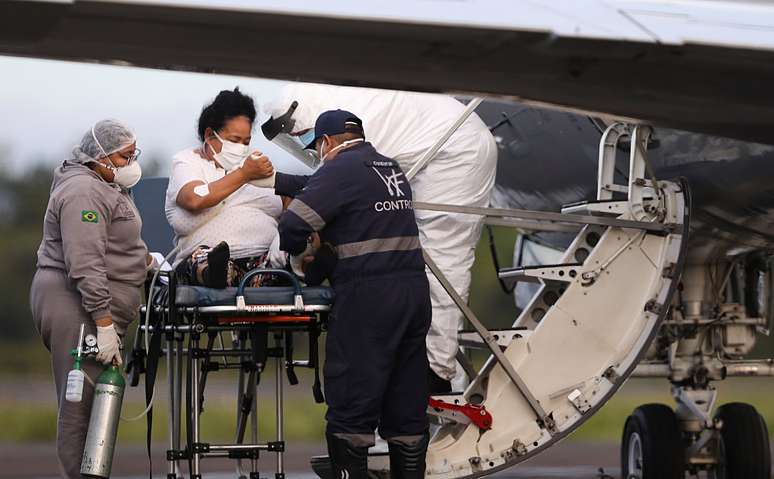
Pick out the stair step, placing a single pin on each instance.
(596, 208)
(471, 339)
(535, 274)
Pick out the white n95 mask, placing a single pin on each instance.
(123, 176)
(231, 155)
(127, 176)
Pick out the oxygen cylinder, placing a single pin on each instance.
(103, 424)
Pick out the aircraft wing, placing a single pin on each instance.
(706, 66)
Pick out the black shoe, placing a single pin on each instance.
(347, 461)
(436, 384)
(407, 460)
(321, 465)
(216, 273)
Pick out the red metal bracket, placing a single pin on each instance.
(477, 414)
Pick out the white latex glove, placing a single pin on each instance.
(109, 345)
(154, 264)
(158, 259)
(297, 262)
(267, 182)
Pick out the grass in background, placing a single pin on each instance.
(304, 420)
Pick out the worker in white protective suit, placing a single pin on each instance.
(404, 126)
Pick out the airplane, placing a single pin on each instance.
(658, 276)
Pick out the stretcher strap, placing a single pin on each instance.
(211, 335)
(259, 342)
(289, 367)
(153, 356)
(314, 354)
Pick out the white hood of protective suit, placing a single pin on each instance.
(404, 126)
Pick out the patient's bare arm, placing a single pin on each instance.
(191, 198)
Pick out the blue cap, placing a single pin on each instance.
(335, 122)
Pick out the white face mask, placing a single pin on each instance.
(127, 176)
(124, 176)
(345, 144)
(231, 155)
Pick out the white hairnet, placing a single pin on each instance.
(104, 138)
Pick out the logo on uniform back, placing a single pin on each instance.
(392, 182)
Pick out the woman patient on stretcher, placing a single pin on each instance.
(225, 224)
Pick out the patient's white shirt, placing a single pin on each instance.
(246, 220)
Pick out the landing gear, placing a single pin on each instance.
(746, 442)
(658, 444)
(652, 444)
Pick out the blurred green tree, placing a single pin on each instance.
(23, 200)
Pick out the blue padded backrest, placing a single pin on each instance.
(149, 195)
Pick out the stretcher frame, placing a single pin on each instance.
(268, 329)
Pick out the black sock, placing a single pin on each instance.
(215, 275)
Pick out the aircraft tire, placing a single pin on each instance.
(745, 440)
(652, 445)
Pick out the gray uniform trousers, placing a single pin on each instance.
(58, 314)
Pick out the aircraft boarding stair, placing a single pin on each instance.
(584, 331)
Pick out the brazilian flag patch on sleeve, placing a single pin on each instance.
(88, 216)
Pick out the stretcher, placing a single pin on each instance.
(201, 331)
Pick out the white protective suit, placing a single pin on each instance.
(403, 126)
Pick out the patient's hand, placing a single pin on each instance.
(257, 166)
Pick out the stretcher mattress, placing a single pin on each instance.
(267, 295)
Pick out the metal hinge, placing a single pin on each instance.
(669, 271)
(654, 307)
(611, 374)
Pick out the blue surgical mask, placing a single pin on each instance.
(306, 138)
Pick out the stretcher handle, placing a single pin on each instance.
(280, 272)
(298, 298)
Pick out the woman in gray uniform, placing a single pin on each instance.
(91, 263)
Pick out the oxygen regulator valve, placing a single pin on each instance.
(87, 346)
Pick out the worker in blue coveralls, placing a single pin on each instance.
(359, 203)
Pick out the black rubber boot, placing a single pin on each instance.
(347, 460)
(436, 384)
(407, 460)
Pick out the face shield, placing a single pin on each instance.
(280, 131)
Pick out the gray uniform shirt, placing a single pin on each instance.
(92, 232)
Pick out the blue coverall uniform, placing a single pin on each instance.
(376, 363)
